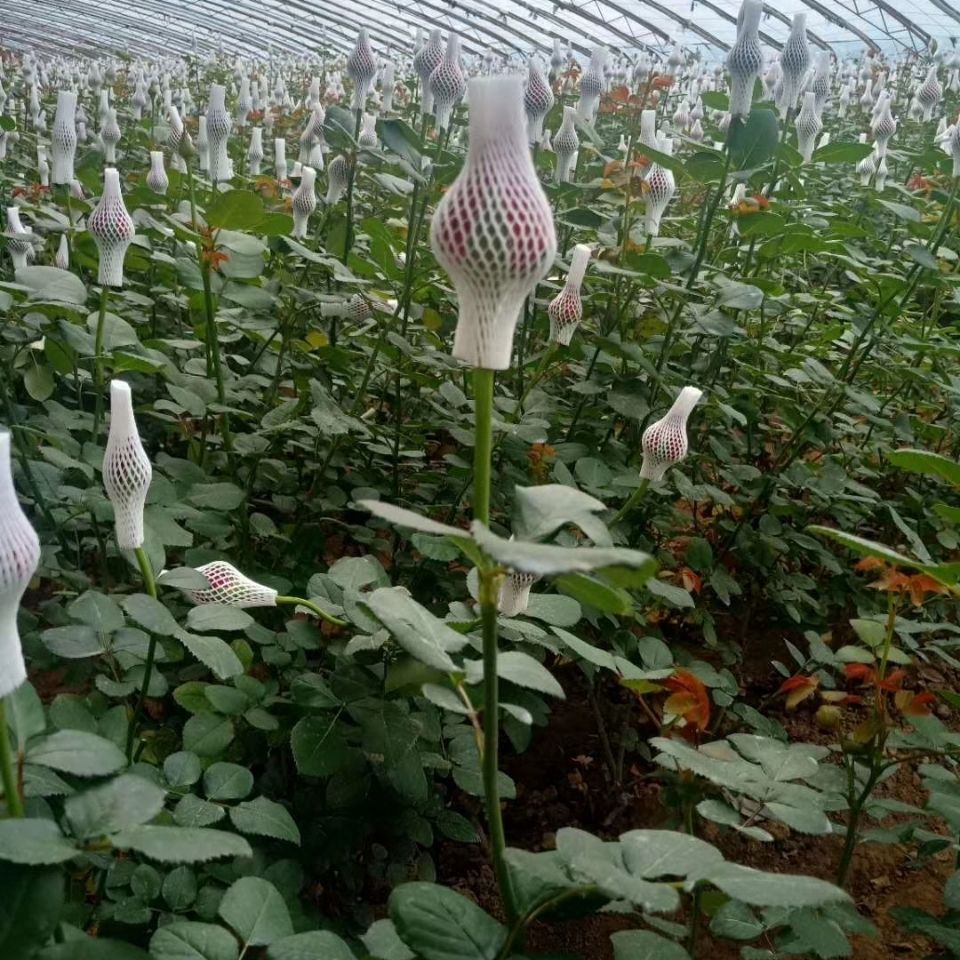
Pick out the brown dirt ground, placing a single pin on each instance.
(561, 781)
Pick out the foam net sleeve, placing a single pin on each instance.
(515, 593)
(111, 227)
(19, 557)
(229, 586)
(126, 469)
(493, 231)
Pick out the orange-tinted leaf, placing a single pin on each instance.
(869, 563)
(689, 699)
(691, 581)
(860, 671)
(912, 704)
(798, 689)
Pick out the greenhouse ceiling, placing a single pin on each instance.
(508, 27)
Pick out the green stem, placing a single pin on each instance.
(150, 585)
(635, 498)
(483, 381)
(313, 607)
(11, 791)
(98, 361)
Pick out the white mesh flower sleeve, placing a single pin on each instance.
(427, 60)
(665, 442)
(338, 177)
(63, 142)
(794, 60)
(368, 131)
(566, 143)
(126, 468)
(821, 81)
(648, 128)
(280, 159)
(230, 587)
(515, 593)
(19, 557)
(592, 84)
(244, 102)
(745, 58)
(203, 144)
(951, 145)
(447, 83)
(660, 188)
(880, 184)
(557, 58)
(928, 96)
(883, 129)
(304, 202)
(867, 167)
(388, 80)
(566, 308)
(218, 133)
(61, 258)
(493, 230)
(19, 239)
(110, 135)
(157, 179)
(112, 230)
(255, 152)
(808, 125)
(361, 69)
(537, 101)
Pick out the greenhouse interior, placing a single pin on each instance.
(479, 480)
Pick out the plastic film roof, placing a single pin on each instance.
(510, 28)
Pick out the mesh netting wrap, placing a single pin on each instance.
(515, 593)
(126, 469)
(425, 62)
(661, 186)
(139, 99)
(388, 81)
(112, 230)
(218, 134)
(821, 81)
(19, 557)
(280, 159)
(648, 128)
(368, 131)
(63, 141)
(230, 587)
(866, 167)
(566, 308)
(361, 69)
(665, 442)
(493, 230)
(808, 124)
(448, 83)
(203, 144)
(338, 178)
(110, 136)
(745, 58)
(19, 239)
(928, 96)
(304, 202)
(951, 144)
(566, 143)
(537, 101)
(880, 183)
(244, 102)
(592, 84)
(794, 60)
(157, 179)
(61, 258)
(883, 129)
(557, 58)
(255, 152)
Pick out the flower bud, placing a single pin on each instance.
(157, 179)
(566, 308)
(63, 143)
(537, 101)
(218, 134)
(745, 58)
(566, 143)
(447, 83)
(304, 202)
